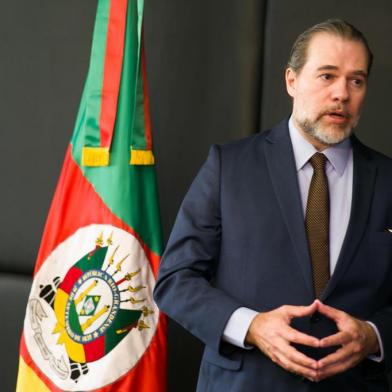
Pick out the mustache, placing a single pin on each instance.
(339, 110)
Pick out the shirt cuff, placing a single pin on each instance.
(380, 357)
(237, 327)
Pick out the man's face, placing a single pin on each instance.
(328, 92)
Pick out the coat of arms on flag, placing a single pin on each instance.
(91, 323)
(80, 310)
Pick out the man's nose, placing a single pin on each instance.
(340, 91)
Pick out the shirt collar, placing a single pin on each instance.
(337, 154)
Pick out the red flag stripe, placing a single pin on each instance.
(112, 69)
(147, 118)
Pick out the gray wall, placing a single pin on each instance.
(215, 72)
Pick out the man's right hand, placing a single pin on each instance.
(272, 334)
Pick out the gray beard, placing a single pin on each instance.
(316, 131)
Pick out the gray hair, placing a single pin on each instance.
(338, 27)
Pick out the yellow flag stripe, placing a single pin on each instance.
(28, 380)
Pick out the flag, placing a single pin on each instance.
(91, 323)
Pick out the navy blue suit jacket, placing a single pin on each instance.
(239, 240)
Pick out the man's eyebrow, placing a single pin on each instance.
(358, 72)
(327, 68)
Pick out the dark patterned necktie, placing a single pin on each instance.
(317, 223)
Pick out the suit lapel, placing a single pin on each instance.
(363, 185)
(282, 171)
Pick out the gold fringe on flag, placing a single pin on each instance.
(95, 156)
(142, 157)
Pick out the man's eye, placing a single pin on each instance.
(326, 76)
(358, 82)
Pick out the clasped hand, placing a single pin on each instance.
(271, 333)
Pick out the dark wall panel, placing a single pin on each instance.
(203, 62)
(45, 50)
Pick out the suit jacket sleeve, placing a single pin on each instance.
(383, 320)
(184, 290)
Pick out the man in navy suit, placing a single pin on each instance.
(240, 269)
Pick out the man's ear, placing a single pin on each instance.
(291, 82)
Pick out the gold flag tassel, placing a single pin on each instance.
(95, 156)
(142, 157)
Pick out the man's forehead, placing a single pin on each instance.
(329, 50)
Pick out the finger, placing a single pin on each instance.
(300, 370)
(294, 336)
(334, 369)
(281, 348)
(332, 313)
(341, 355)
(296, 357)
(337, 339)
(284, 359)
(299, 311)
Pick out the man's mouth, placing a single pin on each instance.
(338, 114)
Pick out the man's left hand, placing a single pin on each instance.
(356, 338)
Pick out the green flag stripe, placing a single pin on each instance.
(129, 191)
(95, 76)
(138, 140)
